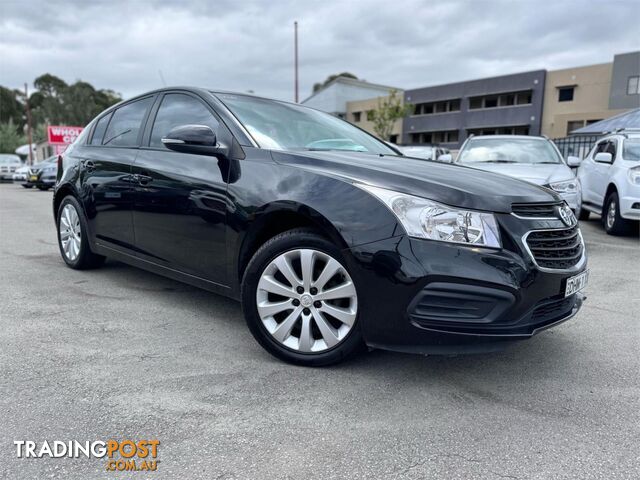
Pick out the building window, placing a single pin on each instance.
(356, 116)
(511, 130)
(565, 94)
(501, 100)
(574, 125)
(443, 106)
(428, 138)
(393, 138)
(633, 85)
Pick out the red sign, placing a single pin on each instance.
(60, 135)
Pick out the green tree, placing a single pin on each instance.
(11, 108)
(10, 138)
(57, 103)
(389, 110)
(330, 78)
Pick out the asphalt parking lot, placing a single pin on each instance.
(122, 353)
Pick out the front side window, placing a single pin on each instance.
(516, 150)
(126, 123)
(179, 109)
(631, 149)
(286, 126)
(611, 148)
(633, 86)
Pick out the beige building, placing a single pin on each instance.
(576, 97)
(358, 112)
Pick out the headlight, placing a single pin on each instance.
(634, 175)
(423, 218)
(567, 186)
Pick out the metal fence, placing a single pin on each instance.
(576, 145)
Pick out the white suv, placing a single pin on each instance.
(610, 180)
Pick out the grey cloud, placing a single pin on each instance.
(248, 45)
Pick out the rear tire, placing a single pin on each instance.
(613, 223)
(27, 186)
(297, 324)
(72, 236)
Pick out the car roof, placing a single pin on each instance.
(529, 137)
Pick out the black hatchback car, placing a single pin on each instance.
(330, 238)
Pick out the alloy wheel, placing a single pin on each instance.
(70, 232)
(611, 214)
(307, 300)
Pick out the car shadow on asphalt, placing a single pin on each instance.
(543, 355)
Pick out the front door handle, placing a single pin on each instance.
(89, 166)
(143, 179)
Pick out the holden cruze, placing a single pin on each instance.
(330, 238)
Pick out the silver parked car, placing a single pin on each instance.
(533, 159)
(428, 152)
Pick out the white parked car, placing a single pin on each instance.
(533, 159)
(610, 180)
(21, 174)
(8, 165)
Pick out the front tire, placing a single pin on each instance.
(583, 214)
(300, 301)
(614, 224)
(72, 236)
(27, 186)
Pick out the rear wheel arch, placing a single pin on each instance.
(61, 193)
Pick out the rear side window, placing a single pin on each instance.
(98, 132)
(180, 109)
(126, 123)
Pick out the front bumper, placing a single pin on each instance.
(423, 296)
(630, 207)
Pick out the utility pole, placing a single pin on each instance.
(295, 59)
(29, 136)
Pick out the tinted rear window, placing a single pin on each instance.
(98, 132)
(126, 123)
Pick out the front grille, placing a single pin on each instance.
(556, 249)
(535, 210)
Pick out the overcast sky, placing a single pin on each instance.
(248, 44)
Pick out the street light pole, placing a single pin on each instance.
(295, 61)
(29, 136)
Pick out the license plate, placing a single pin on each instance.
(576, 283)
(33, 178)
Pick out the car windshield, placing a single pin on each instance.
(631, 149)
(285, 126)
(9, 159)
(507, 150)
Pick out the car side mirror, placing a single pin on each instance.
(573, 161)
(446, 158)
(603, 157)
(198, 139)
